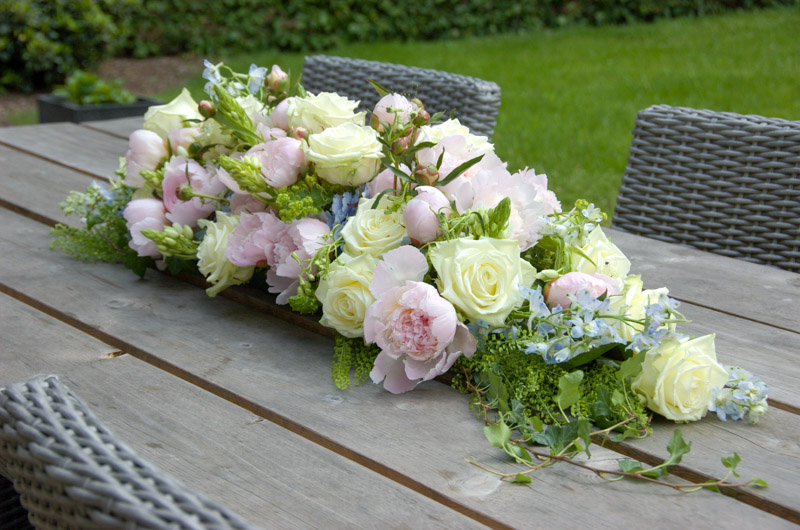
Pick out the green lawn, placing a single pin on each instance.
(570, 96)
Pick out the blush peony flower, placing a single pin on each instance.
(147, 149)
(280, 114)
(254, 238)
(392, 111)
(302, 239)
(417, 330)
(454, 151)
(144, 214)
(180, 172)
(575, 282)
(180, 140)
(543, 195)
(385, 180)
(246, 203)
(419, 215)
(211, 260)
(281, 160)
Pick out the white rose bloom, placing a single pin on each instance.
(605, 257)
(631, 304)
(211, 255)
(347, 154)
(322, 111)
(161, 119)
(254, 109)
(435, 134)
(481, 277)
(678, 377)
(373, 231)
(344, 294)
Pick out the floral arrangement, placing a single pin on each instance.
(423, 252)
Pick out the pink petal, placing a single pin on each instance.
(398, 266)
(392, 373)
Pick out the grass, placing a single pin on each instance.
(570, 96)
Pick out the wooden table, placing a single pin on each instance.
(239, 404)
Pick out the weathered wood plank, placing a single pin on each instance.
(70, 145)
(36, 186)
(765, 294)
(269, 476)
(420, 438)
(121, 127)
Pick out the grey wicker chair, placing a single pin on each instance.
(474, 101)
(717, 181)
(70, 472)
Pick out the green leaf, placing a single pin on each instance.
(677, 447)
(585, 434)
(629, 466)
(497, 391)
(518, 453)
(378, 88)
(631, 367)
(402, 175)
(568, 392)
(558, 437)
(522, 479)
(498, 434)
(538, 426)
(587, 357)
(731, 462)
(459, 170)
(757, 482)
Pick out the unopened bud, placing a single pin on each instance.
(300, 133)
(399, 146)
(418, 103)
(426, 174)
(375, 123)
(277, 79)
(422, 118)
(195, 148)
(206, 108)
(185, 192)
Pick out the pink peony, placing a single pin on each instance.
(246, 203)
(281, 160)
(385, 180)
(263, 239)
(180, 172)
(280, 115)
(419, 215)
(543, 195)
(417, 330)
(456, 151)
(147, 149)
(144, 214)
(392, 110)
(576, 282)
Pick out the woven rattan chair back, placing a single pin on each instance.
(717, 181)
(475, 102)
(71, 472)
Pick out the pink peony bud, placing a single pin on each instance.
(301, 133)
(419, 215)
(147, 149)
(277, 79)
(426, 174)
(182, 138)
(144, 214)
(392, 110)
(575, 282)
(280, 115)
(281, 159)
(206, 108)
(399, 146)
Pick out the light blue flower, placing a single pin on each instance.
(255, 78)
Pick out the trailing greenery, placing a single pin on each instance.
(103, 235)
(42, 41)
(352, 356)
(84, 88)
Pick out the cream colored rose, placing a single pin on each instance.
(482, 277)
(322, 111)
(161, 119)
(211, 255)
(344, 294)
(678, 377)
(631, 304)
(372, 230)
(605, 257)
(347, 154)
(435, 134)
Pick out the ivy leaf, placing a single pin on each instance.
(677, 447)
(568, 393)
(601, 408)
(518, 453)
(522, 479)
(558, 437)
(498, 434)
(629, 466)
(589, 356)
(631, 367)
(585, 434)
(179, 266)
(538, 426)
(731, 462)
(757, 482)
(497, 391)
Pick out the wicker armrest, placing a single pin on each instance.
(474, 101)
(70, 471)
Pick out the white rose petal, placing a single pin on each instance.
(347, 154)
(372, 230)
(161, 119)
(322, 111)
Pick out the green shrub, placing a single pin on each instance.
(41, 41)
(87, 89)
(166, 27)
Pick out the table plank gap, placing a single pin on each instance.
(296, 376)
(119, 127)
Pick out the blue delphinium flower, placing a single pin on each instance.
(255, 78)
(743, 395)
(343, 207)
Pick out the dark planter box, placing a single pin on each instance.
(56, 108)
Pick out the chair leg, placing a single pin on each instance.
(12, 515)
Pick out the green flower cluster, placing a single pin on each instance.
(352, 355)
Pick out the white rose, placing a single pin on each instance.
(678, 377)
(344, 294)
(347, 154)
(436, 133)
(631, 304)
(482, 277)
(161, 119)
(324, 110)
(211, 255)
(373, 231)
(605, 257)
